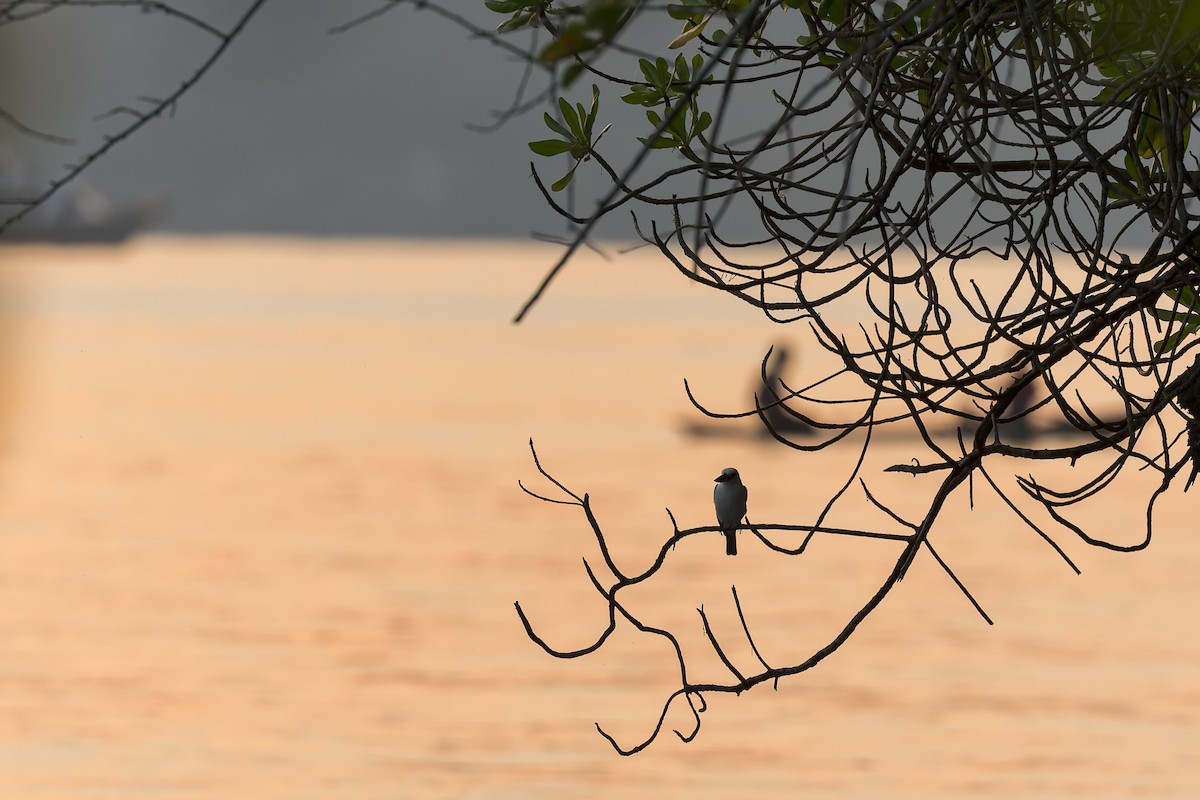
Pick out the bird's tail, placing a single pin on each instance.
(731, 543)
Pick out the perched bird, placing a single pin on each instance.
(729, 496)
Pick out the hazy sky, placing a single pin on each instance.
(296, 130)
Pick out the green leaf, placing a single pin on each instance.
(555, 125)
(832, 11)
(1151, 137)
(550, 147)
(512, 24)
(1183, 295)
(678, 125)
(1172, 341)
(648, 70)
(661, 143)
(570, 116)
(590, 119)
(849, 44)
(1175, 316)
(681, 68)
(1115, 93)
(562, 182)
(639, 96)
(1119, 192)
(1135, 174)
(681, 12)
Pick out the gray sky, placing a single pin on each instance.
(300, 131)
(295, 130)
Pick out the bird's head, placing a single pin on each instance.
(727, 474)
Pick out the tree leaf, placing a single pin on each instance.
(661, 143)
(513, 23)
(1175, 316)
(689, 34)
(562, 182)
(590, 120)
(678, 125)
(570, 116)
(639, 96)
(555, 125)
(1183, 295)
(1172, 341)
(550, 147)
(647, 69)
(681, 69)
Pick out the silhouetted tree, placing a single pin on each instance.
(906, 139)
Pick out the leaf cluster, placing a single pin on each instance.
(523, 13)
(665, 85)
(1187, 318)
(576, 132)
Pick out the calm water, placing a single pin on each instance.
(260, 536)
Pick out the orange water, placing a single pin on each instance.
(260, 537)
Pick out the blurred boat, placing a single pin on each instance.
(80, 215)
(76, 214)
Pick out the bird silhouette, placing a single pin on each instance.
(729, 497)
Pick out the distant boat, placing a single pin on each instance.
(77, 214)
(114, 228)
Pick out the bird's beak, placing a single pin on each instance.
(721, 478)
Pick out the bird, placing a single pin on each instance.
(729, 496)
